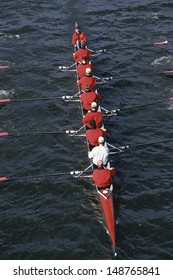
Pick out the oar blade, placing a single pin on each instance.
(4, 100)
(160, 43)
(4, 66)
(2, 179)
(4, 134)
(168, 73)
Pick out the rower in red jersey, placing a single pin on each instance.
(102, 177)
(80, 53)
(87, 97)
(78, 36)
(88, 79)
(81, 68)
(93, 115)
(93, 134)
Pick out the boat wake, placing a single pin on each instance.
(170, 107)
(163, 60)
(6, 93)
(4, 36)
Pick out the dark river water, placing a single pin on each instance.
(59, 217)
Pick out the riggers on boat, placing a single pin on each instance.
(105, 196)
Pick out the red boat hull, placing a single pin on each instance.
(106, 199)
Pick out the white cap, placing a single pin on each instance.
(101, 139)
(88, 71)
(94, 105)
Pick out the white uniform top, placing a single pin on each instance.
(99, 153)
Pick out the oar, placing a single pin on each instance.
(65, 68)
(72, 96)
(83, 126)
(4, 66)
(126, 147)
(84, 171)
(62, 68)
(65, 98)
(167, 73)
(16, 70)
(103, 79)
(70, 132)
(131, 46)
(115, 111)
(75, 174)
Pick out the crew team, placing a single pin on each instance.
(93, 119)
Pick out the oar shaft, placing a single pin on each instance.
(131, 46)
(151, 143)
(143, 105)
(32, 176)
(167, 73)
(65, 97)
(30, 133)
(75, 174)
(70, 132)
(141, 46)
(16, 69)
(126, 147)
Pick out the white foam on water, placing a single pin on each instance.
(9, 36)
(6, 93)
(163, 59)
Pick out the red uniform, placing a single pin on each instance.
(87, 80)
(87, 98)
(80, 53)
(93, 134)
(79, 37)
(97, 116)
(102, 177)
(81, 69)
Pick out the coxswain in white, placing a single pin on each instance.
(100, 152)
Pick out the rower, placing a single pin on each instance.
(100, 152)
(87, 97)
(87, 79)
(81, 68)
(102, 177)
(93, 134)
(93, 115)
(80, 53)
(78, 37)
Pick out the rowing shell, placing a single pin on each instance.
(106, 200)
